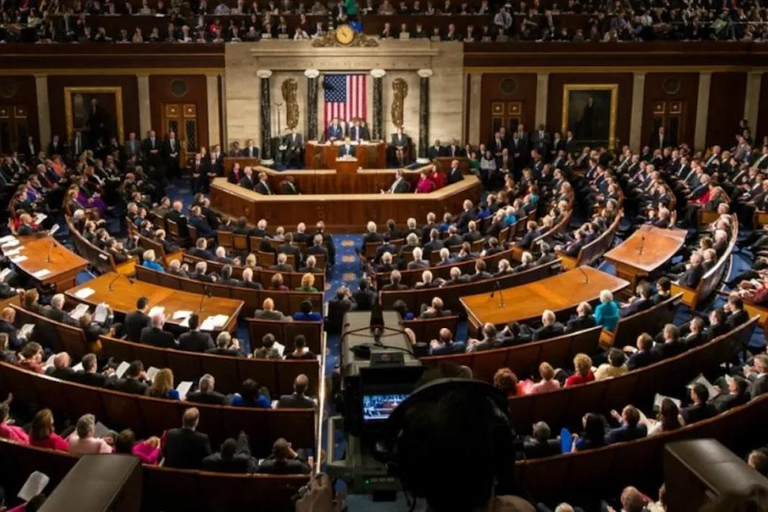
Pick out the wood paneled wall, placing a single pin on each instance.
(127, 83)
(726, 107)
(20, 90)
(683, 87)
(162, 93)
(762, 115)
(506, 88)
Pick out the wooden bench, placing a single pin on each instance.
(710, 281)
(101, 261)
(229, 372)
(428, 329)
(149, 416)
(594, 250)
(651, 320)
(57, 336)
(164, 488)
(557, 228)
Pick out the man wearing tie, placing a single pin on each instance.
(346, 149)
(250, 151)
(659, 140)
(435, 151)
(199, 174)
(288, 187)
(131, 147)
(247, 180)
(171, 152)
(56, 147)
(762, 161)
(77, 145)
(151, 149)
(294, 144)
(400, 143)
(400, 186)
(541, 141)
(454, 174)
(335, 130)
(454, 150)
(358, 133)
(262, 187)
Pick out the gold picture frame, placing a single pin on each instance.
(69, 108)
(587, 135)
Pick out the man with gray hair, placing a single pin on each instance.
(206, 394)
(83, 440)
(56, 311)
(550, 328)
(226, 345)
(155, 336)
(418, 260)
(540, 445)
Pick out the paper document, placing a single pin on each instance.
(214, 322)
(34, 485)
(84, 293)
(151, 372)
(121, 369)
(101, 430)
(4, 274)
(183, 388)
(49, 362)
(79, 311)
(10, 243)
(12, 252)
(18, 258)
(26, 330)
(101, 313)
(78, 367)
(41, 273)
(6, 239)
(280, 348)
(40, 217)
(657, 399)
(181, 314)
(156, 310)
(703, 380)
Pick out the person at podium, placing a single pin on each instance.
(335, 130)
(249, 151)
(358, 132)
(400, 145)
(400, 186)
(347, 150)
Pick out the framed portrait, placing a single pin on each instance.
(97, 112)
(589, 111)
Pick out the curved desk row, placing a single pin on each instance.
(340, 212)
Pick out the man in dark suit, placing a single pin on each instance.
(335, 130)
(630, 427)
(234, 457)
(195, 340)
(691, 277)
(7, 317)
(672, 345)
(660, 139)
(435, 151)
(56, 312)
(56, 147)
(541, 141)
(200, 222)
(171, 155)
(132, 147)
(77, 146)
(155, 336)
(247, 180)
(358, 132)
(454, 150)
(364, 297)
(454, 173)
(294, 146)
(151, 148)
(206, 394)
(137, 320)
(434, 244)
(249, 151)
(400, 185)
(262, 187)
(89, 375)
(297, 400)
(539, 445)
(644, 355)
(284, 461)
(346, 149)
(551, 328)
(759, 379)
(642, 301)
(176, 215)
(699, 409)
(583, 319)
(133, 380)
(337, 307)
(61, 369)
(199, 171)
(289, 248)
(400, 145)
(185, 448)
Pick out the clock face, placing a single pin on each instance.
(345, 34)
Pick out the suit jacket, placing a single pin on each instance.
(195, 341)
(692, 276)
(241, 463)
(171, 154)
(295, 401)
(642, 358)
(263, 189)
(546, 332)
(132, 386)
(454, 176)
(246, 182)
(358, 133)
(345, 150)
(626, 433)
(759, 386)
(59, 315)
(250, 152)
(697, 412)
(636, 307)
(185, 448)
(400, 187)
(288, 467)
(180, 220)
(399, 141)
(435, 152)
(96, 380)
(157, 338)
(335, 132)
(580, 323)
(211, 398)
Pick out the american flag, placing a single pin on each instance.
(345, 97)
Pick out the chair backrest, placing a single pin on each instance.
(226, 239)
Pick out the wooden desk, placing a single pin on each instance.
(340, 212)
(244, 162)
(124, 295)
(318, 155)
(64, 265)
(645, 251)
(329, 181)
(560, 293)
(346, 166)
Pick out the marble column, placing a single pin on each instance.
(752, 99)
(378, 103)
(475, 107)
(214, 123)
(542, 92)
(312, 79)
(702, 111)
(636, 119)
(424, 75)
(145, 112)
(44, 113)
(266, 115)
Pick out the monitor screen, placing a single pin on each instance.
(379, 407)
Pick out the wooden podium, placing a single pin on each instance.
(370, 155)
(346, 166)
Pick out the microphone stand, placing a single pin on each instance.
(205, 294)
(497, 286)
(642, 245)
(118, 276)
(586, 276)
(50, 250)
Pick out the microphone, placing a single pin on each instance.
(118, 276)
(586, 276)
(50, 250)
(206, 293)
(642, 245)
(501, 294)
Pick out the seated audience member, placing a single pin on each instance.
(667, 420)
(268, 312)
(8, 430)
(444, 344)
(593, 435)
(737, 393)
(277, 283)
(607, 312)
(155, 336)
(672, 344)
(394, 283)
(700, 409)
(663, 290)
(539, 445)
(83, 440)
(300, 349)
(61, 367)
(226, 345)
(629, 427)
(162, 385)
(505, 380)
(133, 380)
(149, 261)
(583, 319)
(758, 460)
(56, 311)
(640, 303)
(693, 274)
(251, 395)
(364, 297)
(7, 327)
(643, 355)
(307, 283)
(546, 384)
(282, 263)
(42, 434)
(551, 328)
(267, 350)
(306, 314)
(6, 354)
(148, 451)
(582, 365)
(402, 309)
(615, 367)
(284, 461)
(90, 376)
(31, 358)
(299, 398)
(248, 281)
(490, 340)
(184, 447)
(435, 310)
(195, 340)
(206, 393)
(234, 457)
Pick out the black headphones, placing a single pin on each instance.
(392, 449)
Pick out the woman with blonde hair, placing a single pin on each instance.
(307, 283)
(162, 385)
(582, 363)
(546, 384)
